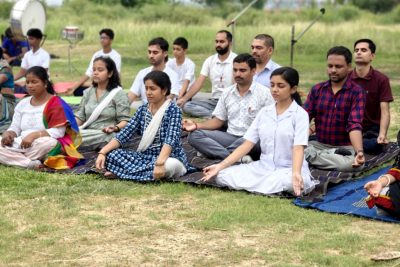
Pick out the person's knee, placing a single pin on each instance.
(195, 136)
(174, 168)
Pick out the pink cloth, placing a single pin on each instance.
(38, 151)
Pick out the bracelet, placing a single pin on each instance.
(387, 178)
(101, 153)
(159, 164)
(118, 129)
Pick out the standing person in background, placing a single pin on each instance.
(182, 65)
(379, 95)
(218, 68)
(37, 56)
(106, 39)
(13, 49)
(157, 54)
(262, 49)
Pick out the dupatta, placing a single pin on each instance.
(64, 155)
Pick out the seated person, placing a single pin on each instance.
(43, 126)
(182, 65)
(106, 39)
(104, 107)
(282, 130)
(37, 56)
(160, 153)
(385, 191)
(337, 107)
(237, 106)
(379, 95)
(13, 49)
(7, 98)
(157, 54)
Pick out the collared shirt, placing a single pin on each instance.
(219, 72)
(377, 89)
(278, 134)
(185, 71)
(336, 115)
(39, 58)
(139, 89)
(263, 77)
(114, 55)
(240, 111)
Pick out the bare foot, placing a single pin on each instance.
(110, 175)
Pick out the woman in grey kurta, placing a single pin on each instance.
(116, 111)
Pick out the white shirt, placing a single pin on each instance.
(240, 111)
(264, 76)
(219, 72)
(28, 119)
(278, 134)
(138, 85)
(114, 55)
(185, 71)
(39, 58)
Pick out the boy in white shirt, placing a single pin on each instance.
(182, 65)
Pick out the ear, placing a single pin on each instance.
(293, 89)
(110, 74)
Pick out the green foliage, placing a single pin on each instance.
(5, 9)
(341, 13)
(375, 6)
(392, 17)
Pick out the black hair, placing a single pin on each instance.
(34, 32)
(268, 39)
(160, 78)
(228, 35)
(291, 76)
(1, 53)
(42, 74)
(114, 81)
(9, 33)
(182, 42)
(251, 62)
(108, 32)
(371, 44)
(340, 51)
(161, 42)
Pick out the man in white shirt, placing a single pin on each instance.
(262, 49)
(237, 106)
(182, 65)
(158, 56)
(218, 68)
(37, 56)
(106, 39)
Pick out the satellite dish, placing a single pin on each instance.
(25, 15)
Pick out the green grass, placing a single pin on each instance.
(58, 219)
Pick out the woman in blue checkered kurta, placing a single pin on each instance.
(129, 164)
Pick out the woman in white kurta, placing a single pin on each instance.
(282, 130)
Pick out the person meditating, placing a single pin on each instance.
(160, 153)
(384, 192)
(7, 98)
(104, 108)
(43, 126)
(282, 130)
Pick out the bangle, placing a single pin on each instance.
(159, 164)
(118, 129)
(387, 178)
(101, 153)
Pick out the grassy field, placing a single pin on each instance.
(57, 219)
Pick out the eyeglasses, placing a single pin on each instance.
(103, 37)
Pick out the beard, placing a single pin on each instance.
(222, 51)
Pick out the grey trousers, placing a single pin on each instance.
(200, 108)
(214, 144)
(323, 156)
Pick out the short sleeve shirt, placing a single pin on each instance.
(219, 72)
(114, 55)
(264, 76)
(240, 111)
(184, 71)
(14, 49)
(39, 58)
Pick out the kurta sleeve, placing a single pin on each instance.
(122, 107)
(81, 112)
(16, 121)
(173, 132)
(132, 127)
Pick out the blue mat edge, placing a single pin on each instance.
(359, 183)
